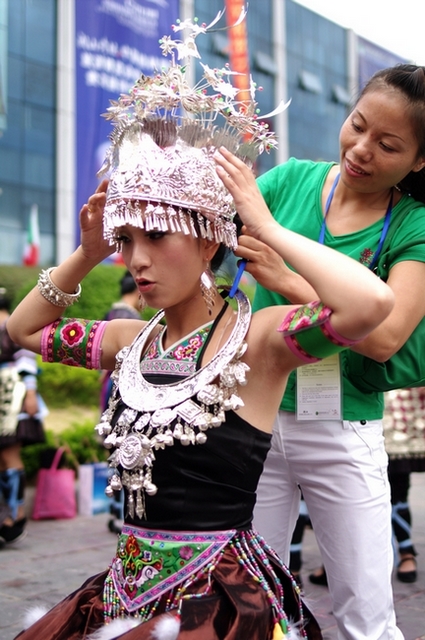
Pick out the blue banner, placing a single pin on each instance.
(116, 40)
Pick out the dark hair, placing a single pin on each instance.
(127, 283)
(409, 79)
(223, 251)
(5, 303)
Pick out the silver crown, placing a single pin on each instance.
(162, 171)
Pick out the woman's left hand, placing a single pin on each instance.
(240, 181)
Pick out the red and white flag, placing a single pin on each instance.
(31, 255)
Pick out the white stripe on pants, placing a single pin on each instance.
(341, 468)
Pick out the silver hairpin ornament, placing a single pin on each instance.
(164, 138)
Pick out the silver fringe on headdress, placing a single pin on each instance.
(162, 171)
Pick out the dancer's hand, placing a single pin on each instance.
(93, 244)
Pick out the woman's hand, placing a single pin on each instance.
(271, 272)
(93, 244)
(240, 181)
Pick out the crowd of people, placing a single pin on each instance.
(215, 422)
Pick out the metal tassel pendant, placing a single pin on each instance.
(208, 289)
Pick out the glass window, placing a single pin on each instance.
(16, 39)
(13, 134)
(316, 51)
(10, 207)
(15, 77)
(10, 166)
(39, 27)
(39, 130)
(39, 83)
(38, 170)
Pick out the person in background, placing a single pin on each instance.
(20, 424)
(295, 550)
(331, 445)
(404, 430)
(128, 306)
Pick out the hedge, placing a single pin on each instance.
(82, 446)
(100, 288)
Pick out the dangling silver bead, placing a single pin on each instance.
(208, 289)
(216, 421)
(109, 491)
(115, 483)
(184, 439)
(201, 438)
(151, 488)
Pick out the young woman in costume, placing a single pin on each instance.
(190, 417)
(378, 188)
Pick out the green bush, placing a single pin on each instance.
(62, 386)
(84, 443)
(14, 278)
(100, 288)
(81, 442)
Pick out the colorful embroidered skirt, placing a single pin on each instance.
(222, 586)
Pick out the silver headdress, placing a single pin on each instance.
(165, 134)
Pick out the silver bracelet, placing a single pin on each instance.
(52, 293)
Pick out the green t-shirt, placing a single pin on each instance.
(293, 193)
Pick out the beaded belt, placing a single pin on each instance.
(150, 563)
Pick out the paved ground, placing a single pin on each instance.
(56, 557)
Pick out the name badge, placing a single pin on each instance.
(319, 390)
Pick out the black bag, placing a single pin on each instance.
(406, 368)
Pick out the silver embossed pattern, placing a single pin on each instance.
(156, 415)
(165, 134)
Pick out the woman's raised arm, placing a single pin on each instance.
(360, 301)
(26, 323)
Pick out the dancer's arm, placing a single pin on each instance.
(26, 323)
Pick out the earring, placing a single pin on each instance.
(208, 288)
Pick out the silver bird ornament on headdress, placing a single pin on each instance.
(162, 171)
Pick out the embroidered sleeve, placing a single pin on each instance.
(74, 342)
(309, 334)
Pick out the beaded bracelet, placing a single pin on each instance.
(52, 293)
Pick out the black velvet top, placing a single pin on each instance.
(205, 487)
(208, 487)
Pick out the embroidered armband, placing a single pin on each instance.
(74, 342)
(309, 334)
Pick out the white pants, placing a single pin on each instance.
(341, 468)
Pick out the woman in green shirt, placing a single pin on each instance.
(339, 460)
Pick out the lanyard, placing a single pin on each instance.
(384, 231)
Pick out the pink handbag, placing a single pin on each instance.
(55, 492)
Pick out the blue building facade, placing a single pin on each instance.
(293, 53)
(317, 83)
(28, 126)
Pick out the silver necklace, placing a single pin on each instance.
(157, 415)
